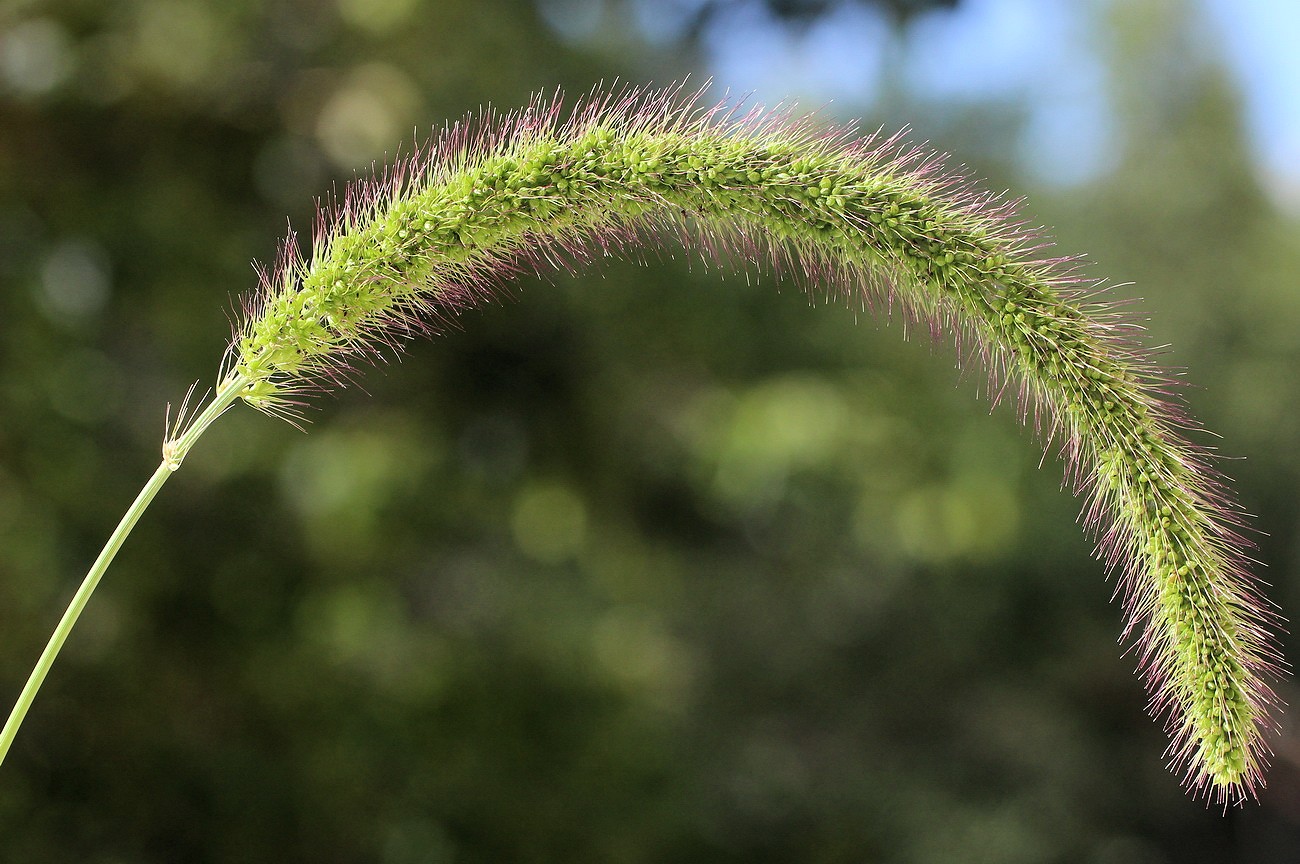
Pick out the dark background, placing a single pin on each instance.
(650, 564)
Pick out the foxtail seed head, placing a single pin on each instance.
(874, 219)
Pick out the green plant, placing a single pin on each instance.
(440, 230)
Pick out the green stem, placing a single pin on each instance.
(174, 451)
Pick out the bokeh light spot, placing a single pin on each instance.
(549, 523)
(35, 57)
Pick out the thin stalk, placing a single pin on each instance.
(174, 451)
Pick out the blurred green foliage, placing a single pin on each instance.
(648, 564)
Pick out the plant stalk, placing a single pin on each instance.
(174, 452)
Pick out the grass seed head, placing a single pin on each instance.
(867, 218)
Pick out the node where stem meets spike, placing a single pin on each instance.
(870, 218)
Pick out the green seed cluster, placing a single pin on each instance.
(853, 213)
